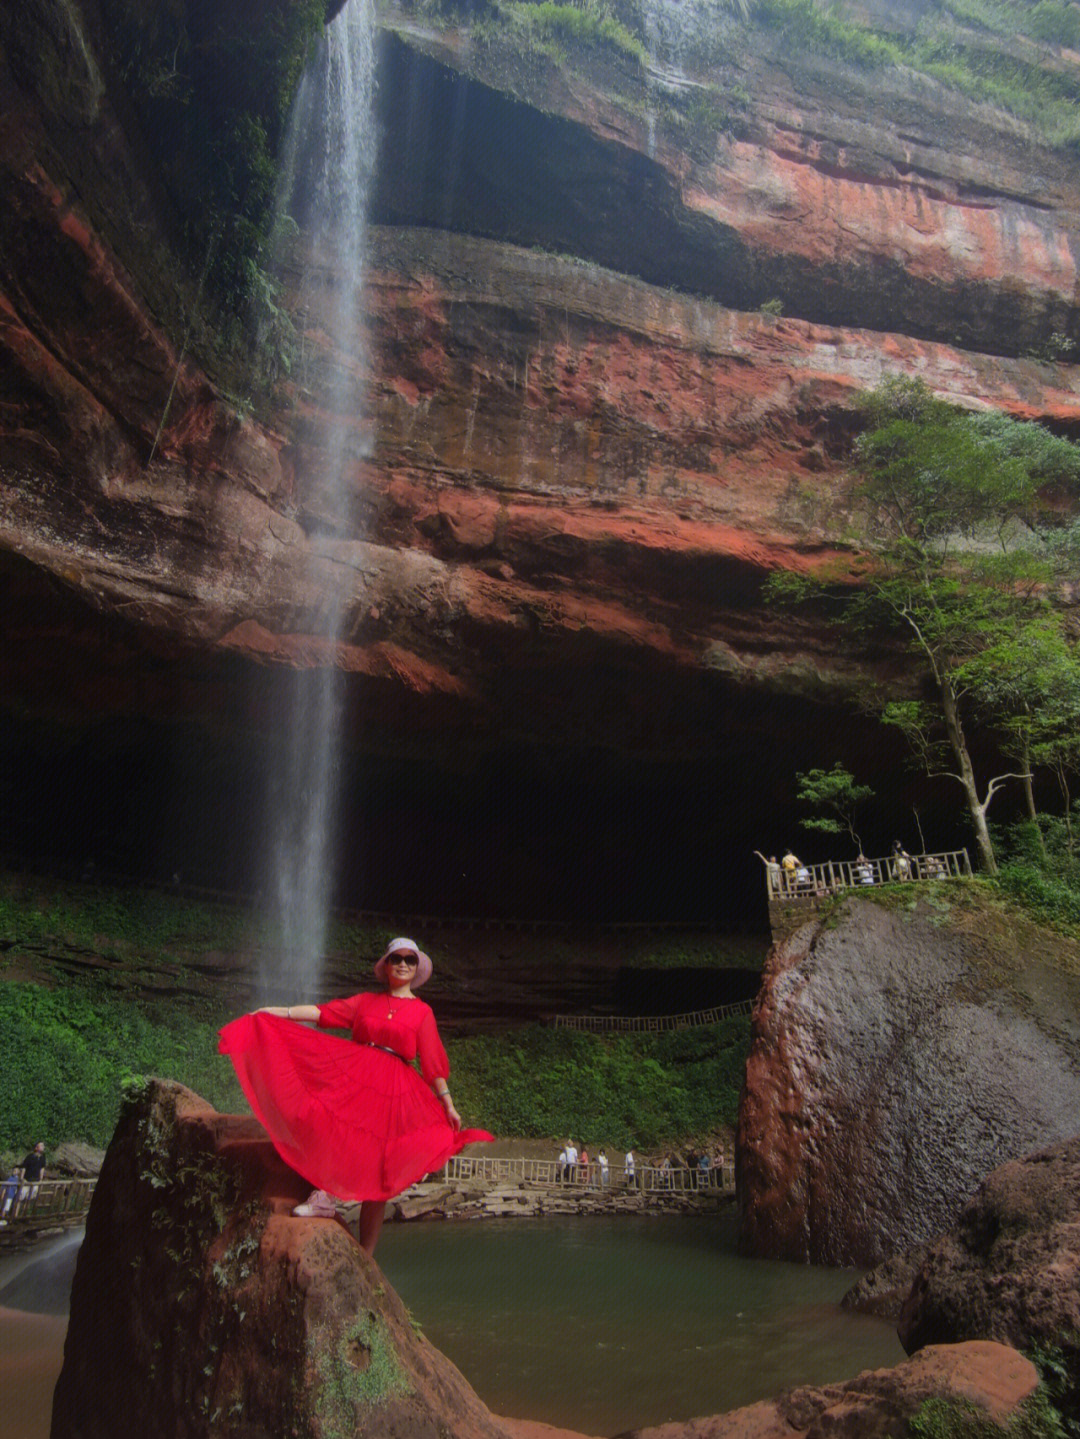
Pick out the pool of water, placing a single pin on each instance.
(604, 1324)
(593, 1324)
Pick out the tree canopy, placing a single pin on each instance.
(960, 531)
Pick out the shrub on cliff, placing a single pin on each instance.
(616, 1090)
(65, 1055)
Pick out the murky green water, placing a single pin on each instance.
(607, 1324)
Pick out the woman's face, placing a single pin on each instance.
(401, 968)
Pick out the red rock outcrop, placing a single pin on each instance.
(201, 1307)
(898, 1055)
(1010, 1267)
(992, 1378)
(568, 465)
(573, 470)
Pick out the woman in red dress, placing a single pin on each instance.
(352, 1115)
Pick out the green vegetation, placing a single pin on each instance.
(836, 792)
(613, 1090)
(360, 1370)
(67, 1053)
(589, 24)
(956, 520)
(212, 88)
(1056, 1364)
(547, 26)
(1040, 868)
(978, 54)
(1035, 1418)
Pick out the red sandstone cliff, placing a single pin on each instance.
(569, 465)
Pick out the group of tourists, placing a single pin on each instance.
(574, 1166)
(790, 877)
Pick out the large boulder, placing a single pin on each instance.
(201, 1307)
(903, 1047)
(1010, 1269)
(992, 1378)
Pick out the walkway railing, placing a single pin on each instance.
(815, 881)
(57, 1200)
(649, 1023)
(549, 1173)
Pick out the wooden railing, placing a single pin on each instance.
(55, 1200)
(650, 1023)
(549, 1173)
(815, 881)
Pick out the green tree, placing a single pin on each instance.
(952, 519)
(835, 791)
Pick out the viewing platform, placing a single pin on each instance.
(49, 1204)
(794, 894)
(480, 1187)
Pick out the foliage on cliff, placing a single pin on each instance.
(1005, 53)
(964, 526)
(615, 1090)
(212, 86)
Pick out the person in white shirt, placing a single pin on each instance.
(602, 1165)
(571, 1161)
(631, 1168)
(562, 1162)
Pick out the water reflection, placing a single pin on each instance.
(602, 1325)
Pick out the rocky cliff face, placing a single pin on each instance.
(898, 1055)
(583, 448)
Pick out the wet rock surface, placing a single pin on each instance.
(901, 1050)
(884, 1290)
(1009, 1269)
(200, 1306)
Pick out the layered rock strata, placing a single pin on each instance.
(561, 465)
(900, 1051)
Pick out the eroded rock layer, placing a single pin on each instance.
(572, 471)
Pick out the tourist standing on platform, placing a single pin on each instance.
(571, 1161)
(602, 1164)
(630, 1169)
(33, 1172)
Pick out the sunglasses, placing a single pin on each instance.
(404, 957)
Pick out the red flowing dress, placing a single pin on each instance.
(350, 1116)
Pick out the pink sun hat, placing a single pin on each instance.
(423, 969)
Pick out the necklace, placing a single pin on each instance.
(393, 1001)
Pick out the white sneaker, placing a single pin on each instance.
(318, 1205)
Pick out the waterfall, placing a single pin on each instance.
(329, 157)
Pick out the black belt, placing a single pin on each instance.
(385, 1049)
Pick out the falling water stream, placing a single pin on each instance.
(325, 180)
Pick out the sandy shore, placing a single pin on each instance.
(31, 1352)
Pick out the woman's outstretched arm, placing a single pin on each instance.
(302, 1013)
